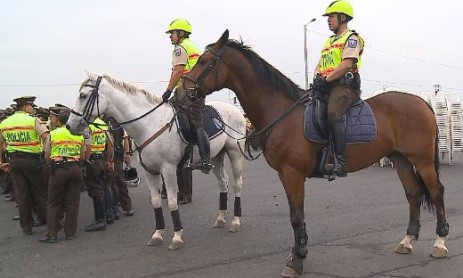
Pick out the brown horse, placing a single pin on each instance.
(406, 133)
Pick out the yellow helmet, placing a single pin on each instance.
(179, 24)
(340, 6)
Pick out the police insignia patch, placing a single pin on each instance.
(352, 43)
(178, 51)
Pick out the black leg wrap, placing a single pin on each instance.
(300, 246)
(176, 219)
(414, 228)
(237, 207)
(442, 229)
(159, 218)
(223, 201)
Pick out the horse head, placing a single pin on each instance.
(89, 105)
(205, 77)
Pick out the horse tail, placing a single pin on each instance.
(426, 201)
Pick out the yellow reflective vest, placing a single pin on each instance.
(331, 55)
(19, 133)
(192, 52)
(98, 135)
(64, 144)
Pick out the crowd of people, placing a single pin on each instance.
(44, 169)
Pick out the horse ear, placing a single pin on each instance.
(90, 75)
(223, 39)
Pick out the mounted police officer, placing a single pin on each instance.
(337, 75)
(184, 57)
(64, 152)
(22, 134)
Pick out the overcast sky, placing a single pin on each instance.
(46, 45)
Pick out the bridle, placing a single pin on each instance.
(196, 90)
(88, 108)
(94, 98)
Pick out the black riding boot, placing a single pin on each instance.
(99, 223)
(338, 131)
(204, 151)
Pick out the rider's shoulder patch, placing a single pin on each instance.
(178, 51)
(352, 43)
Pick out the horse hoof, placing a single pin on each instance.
(402, 249)
(219, 223)
(175, 245)
(235, 225)
(155, 241)
(289, 272)
(439, 252)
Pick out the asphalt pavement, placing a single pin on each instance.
(353, 224)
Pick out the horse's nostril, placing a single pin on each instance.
(68, 127)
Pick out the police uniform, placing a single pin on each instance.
(64, 153)
(342, 91)
(186, 53)
(117, 176)
(96, 171)
(22, 134)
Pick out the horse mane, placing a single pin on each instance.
(267, 72)
(132, 89)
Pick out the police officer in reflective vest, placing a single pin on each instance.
(184, 57)
(337, 75)
(99, 158)
(23, 134)
(64, 153)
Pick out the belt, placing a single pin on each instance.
(64, 164)
(97, 156)
(23, 154)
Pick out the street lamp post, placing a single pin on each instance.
(306, 66)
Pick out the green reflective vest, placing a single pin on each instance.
(98, 135)
(64, 144)
(19, 133)
(331, 55)
(192, 52)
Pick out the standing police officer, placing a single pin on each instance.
(22, 134)
(337, 75)
(100, 157)
(63, 152)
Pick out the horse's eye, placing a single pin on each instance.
(82, 95)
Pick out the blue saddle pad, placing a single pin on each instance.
(212, 123)
(360, 128)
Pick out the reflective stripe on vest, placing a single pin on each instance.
(19, 133)
(65, 144)
(98, 135)
(192, 52)
(331, 56)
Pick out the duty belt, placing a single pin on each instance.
(23, 154)
(63, 164)
(95, 156)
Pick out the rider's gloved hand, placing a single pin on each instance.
(319, 82)
(166, 95)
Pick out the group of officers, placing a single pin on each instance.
(48, 167)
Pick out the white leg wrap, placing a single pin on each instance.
(177, 241)
(156, 238)
(221, 219)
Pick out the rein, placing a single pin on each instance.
(94, 97)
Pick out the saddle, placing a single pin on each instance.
(212, 123)
(360, 128)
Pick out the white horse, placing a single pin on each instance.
(147, 117)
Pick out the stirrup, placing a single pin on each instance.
(203, 166)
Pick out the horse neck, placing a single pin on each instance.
(124, 106)
(261, 103)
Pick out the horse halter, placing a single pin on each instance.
(88, 108)
(196, 90)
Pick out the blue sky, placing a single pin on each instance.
(46, 45)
